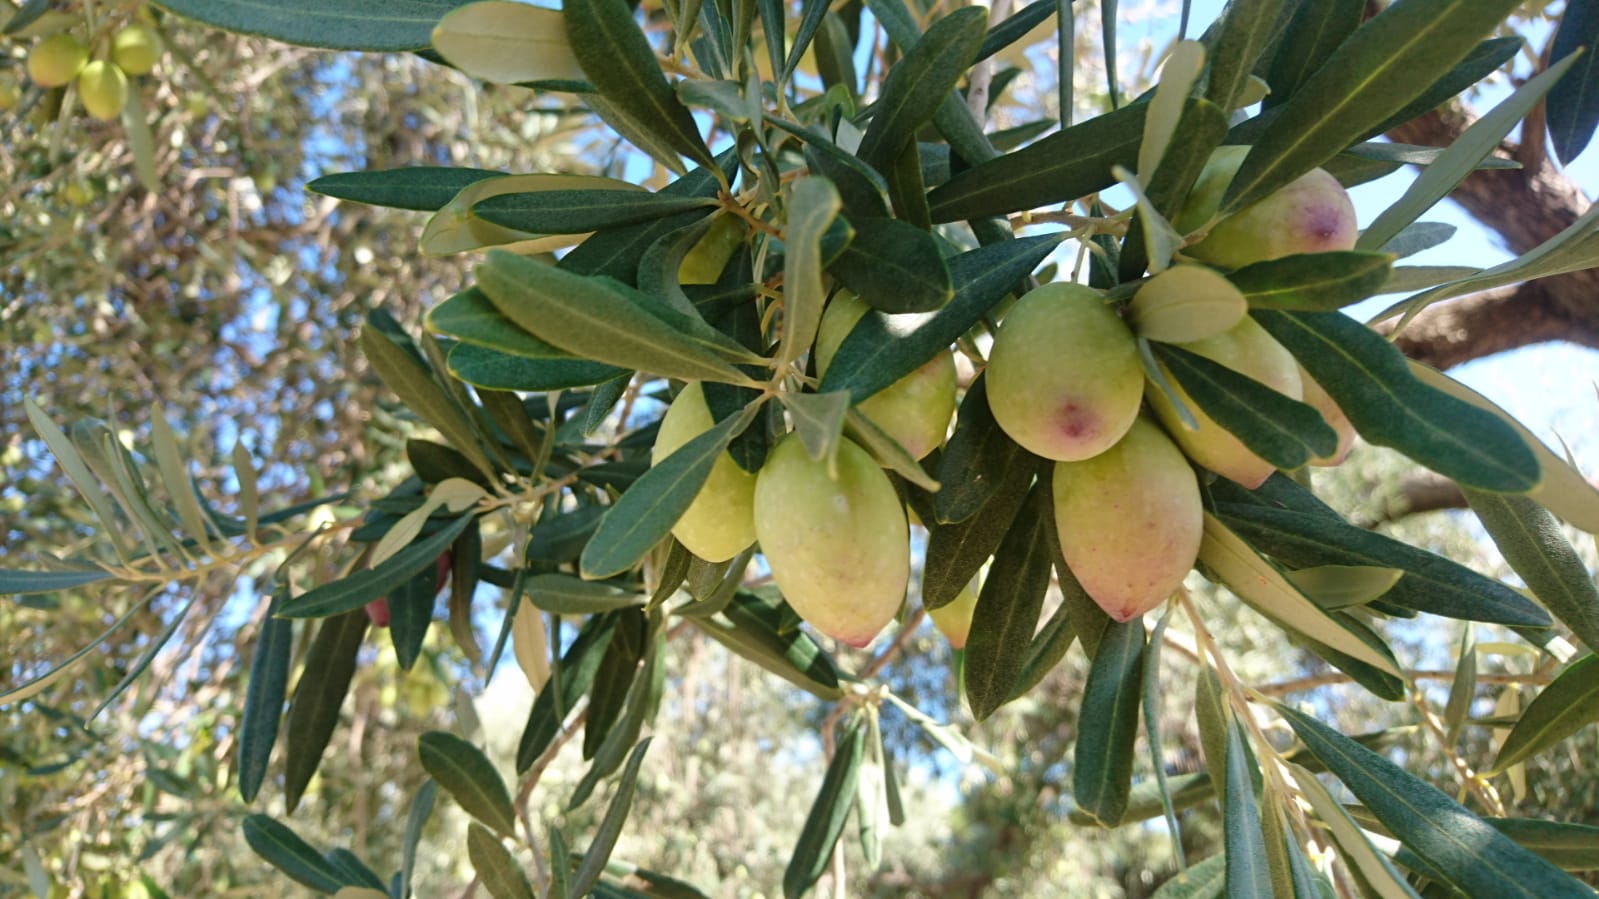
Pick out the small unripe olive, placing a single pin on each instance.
(916, 409)
(103, 88)
(719, 523)
(1247, 349)
(10, 93)
(954, 619)
(136, 49)
(1186, 302)
(56, 60)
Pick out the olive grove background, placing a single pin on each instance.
(226, 298)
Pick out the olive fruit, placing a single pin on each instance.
(1063, 378)
(136, 49)
(954, 618)
(56, 60)
(1247, 349)
(103, 88)
(1130, 520)
(1312, 214)
(1318, 399)
(916, 409)
(719, 522)
(838, 546)
(1185, 302)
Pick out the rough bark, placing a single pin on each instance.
(1525, 208)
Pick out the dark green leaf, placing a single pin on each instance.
(1381, 66)
(1572, 108)
(1281, 430)
(1107, 40)
(283, 849)
(495, 866)
(360, 588)
(21, 17)
(646, 512)
(1206, 880)
(1153, 689)
(1418, 236)
(1108, 724)
(1062, 167)
(415, 819)
(599, 851)
(1369, 380)
(412, 381)
(564, 594)
(917, 85)
(560, 866)
(860, 189)
(1052, 641)
(953, 119)
(263, 699)
(1430, 583)
(1486, 58)
(410, 615)
(576, 211)
(1380, 681)
(1315, 31)
(1530, 539)
(16, 582)
(423, 188)
(1569, 703)
(977, 458)
(331, 24)
(814, 850)
(1245, 846)
(1459, 845)
(314, 711)
(494, 369)
(894, 266)
(639, 702)
(1240, 38)
(1015, 27)
(811, 13)
(618, 60)
(756, 629)
(1574, 847)
(873, 357)
(1313, 282)
(614, 680)
(569, 681)
(608, 321)
(354, 871)
(562, 538)
(1009, 604)
(957, 550)
(616, 252)
(467, 774)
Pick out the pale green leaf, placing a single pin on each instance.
(506, 43)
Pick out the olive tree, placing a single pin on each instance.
(1058, 384)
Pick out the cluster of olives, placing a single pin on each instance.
(57, 59)
(1065, 381)
(837, 540)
